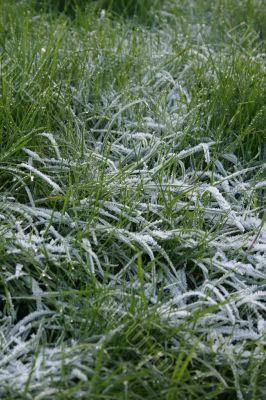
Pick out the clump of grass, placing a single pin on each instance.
(132, 223)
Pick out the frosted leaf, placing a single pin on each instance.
(43, 176)
(262, 326)
(77, 373)
(51, 137)
(19, 268)
(231, 157)
(200, 147)
(260, 185)
(29, 318)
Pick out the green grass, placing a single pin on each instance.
(132, 199)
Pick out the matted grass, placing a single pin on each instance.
(132, 222)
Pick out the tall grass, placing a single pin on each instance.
(132, 221)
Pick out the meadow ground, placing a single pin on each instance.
(132, 175)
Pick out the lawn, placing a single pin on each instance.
(132, 199)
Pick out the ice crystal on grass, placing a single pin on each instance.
(231, 280)
(136, 204)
